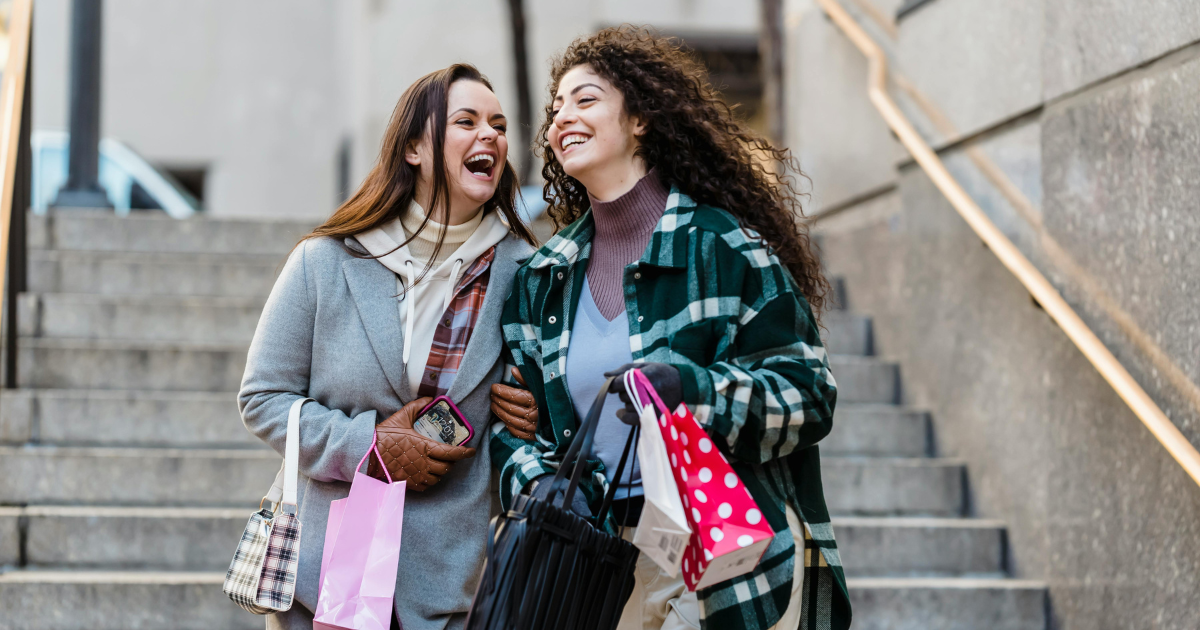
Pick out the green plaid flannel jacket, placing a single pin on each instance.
(708, 298)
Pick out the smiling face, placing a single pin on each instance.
(475, 151)
(593, 137)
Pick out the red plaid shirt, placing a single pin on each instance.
(454, 330)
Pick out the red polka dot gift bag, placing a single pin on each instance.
(729, 533)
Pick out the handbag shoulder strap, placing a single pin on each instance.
(579, 452)
(283, 491)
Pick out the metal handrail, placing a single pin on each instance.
(13, 101)
(1050, 300)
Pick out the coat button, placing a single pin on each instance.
(553, 375)
(560, 275)
(552, 319)
(566, 433)
(637, 275)
(446, 321)
(640, 318)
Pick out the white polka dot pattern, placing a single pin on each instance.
(727, 523)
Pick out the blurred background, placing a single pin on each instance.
(981, 474)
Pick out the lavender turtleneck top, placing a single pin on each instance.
(623, 229)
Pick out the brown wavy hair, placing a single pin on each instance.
(391, 185)
(695, 142)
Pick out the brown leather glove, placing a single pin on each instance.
(410, 455)
(516, 407)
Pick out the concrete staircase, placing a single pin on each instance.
(126, 476)
(913, 559)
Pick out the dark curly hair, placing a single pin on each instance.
(695, 142)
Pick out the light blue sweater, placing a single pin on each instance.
(598, 346)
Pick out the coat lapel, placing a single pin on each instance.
(487, 340)
(374, 289)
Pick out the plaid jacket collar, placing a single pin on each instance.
(669, 238)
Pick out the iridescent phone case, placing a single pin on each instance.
(442, 421)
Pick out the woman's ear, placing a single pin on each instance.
(639, 127)
(411, 155)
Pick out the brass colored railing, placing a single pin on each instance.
(1050, 300)
(13, 120)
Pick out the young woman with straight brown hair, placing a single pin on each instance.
(682, 254)
(394, 300)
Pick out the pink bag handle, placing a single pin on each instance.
(374, 449)
(645, 388)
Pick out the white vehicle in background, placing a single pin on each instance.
(132, 183)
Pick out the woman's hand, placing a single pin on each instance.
(663, 377)
(516, 407)
(409, 455)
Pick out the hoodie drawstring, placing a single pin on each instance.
(410, 300)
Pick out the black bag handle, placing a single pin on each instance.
(634, 434)
(580, 451)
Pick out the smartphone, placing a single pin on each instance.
(442, 421)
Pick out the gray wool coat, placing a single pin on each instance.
(331, 331)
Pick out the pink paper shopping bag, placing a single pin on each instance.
(362, 551)
(729, 533)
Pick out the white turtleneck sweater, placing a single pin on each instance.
(422, 306)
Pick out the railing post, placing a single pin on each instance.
(83, 189)
(18, 254)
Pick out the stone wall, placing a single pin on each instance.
(1076, 128)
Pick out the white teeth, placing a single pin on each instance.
(480, 157)
(574, 139)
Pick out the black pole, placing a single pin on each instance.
(18, 275)
(770, 47)
(516, 14)
(83, 189)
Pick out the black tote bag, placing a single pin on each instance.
(549, 568)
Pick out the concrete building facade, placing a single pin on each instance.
(1075, 126)
(273, 100)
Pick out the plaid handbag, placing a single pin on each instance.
(262, 577)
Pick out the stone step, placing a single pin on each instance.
(847, 333)
(893, 486)
(10, 536)
(947, 604)
(106, 537)
(878, 430)
(108, 364)
(865, 379)
(118, 273)
(102, 230)
(119, 600)
(139, 318)
(161, 365)
(898, 546)
(135, 476)
(122, 418)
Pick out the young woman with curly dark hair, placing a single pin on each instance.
(682, 255)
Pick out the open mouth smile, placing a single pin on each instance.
(480, 165)
(571, 140)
